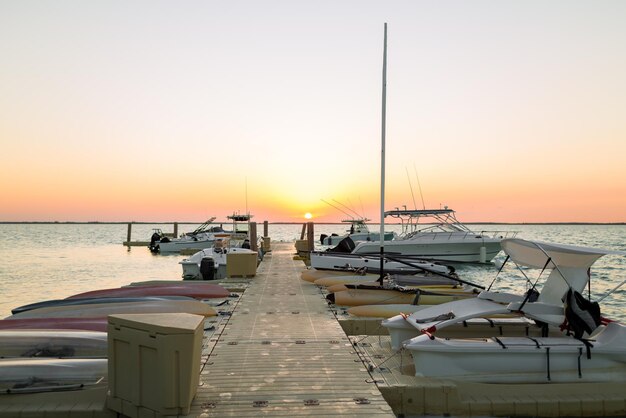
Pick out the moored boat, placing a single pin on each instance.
(592, 350)
(440, 237)
(340, 258)
(201, 237)
(359, 231)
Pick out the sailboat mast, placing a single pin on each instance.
(382, 161)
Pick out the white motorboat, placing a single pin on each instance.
(210, 262)
(595, 352)
(443, 239)
(335, 259)
(202, 237)
(358, 231)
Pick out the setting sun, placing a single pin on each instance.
(308, 215)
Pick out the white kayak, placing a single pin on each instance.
(52, 343)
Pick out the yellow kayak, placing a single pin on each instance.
(357, 297)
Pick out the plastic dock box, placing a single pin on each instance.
(266, 245)
(154, 363)
(241, 264)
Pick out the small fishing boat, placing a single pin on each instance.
(342, 257)
(201, 237)
(210, 262)
(592, 349)
(358, 231)
(52, 343)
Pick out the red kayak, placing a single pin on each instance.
(196, 291)
(89, 324)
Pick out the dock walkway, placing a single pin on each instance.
(281, 352)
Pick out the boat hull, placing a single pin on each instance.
(522, 359)
(338, 261)
(468, 250)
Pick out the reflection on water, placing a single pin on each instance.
(53, 261)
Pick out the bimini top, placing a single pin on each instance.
(535, 254)
(236, 217)
(569, 265)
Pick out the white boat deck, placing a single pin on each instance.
(282, 352)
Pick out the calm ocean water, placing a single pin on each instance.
(52, 261)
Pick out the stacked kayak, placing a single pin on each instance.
(52, 343)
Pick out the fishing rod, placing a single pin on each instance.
(339, 209)
(410, 187)
(348, 208)
(420, 187)
(403, 261)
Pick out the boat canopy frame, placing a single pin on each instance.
(444, 221)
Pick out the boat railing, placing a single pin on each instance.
(462, 234)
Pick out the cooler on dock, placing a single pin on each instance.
(241, 264)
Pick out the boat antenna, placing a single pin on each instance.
(410, 187)
(362, 208)
(419, 186)
(382, 162)
(339, 209)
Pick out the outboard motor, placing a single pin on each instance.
(154, 247)
(346, 245)
(322, 238)
(207, 268)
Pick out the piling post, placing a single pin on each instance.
(175, 229)
(310, 236)
(129, 233)
(303, 231)
(266, 229)
(253, 243)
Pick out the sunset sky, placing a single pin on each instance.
(506, 111)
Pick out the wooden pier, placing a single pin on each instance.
(282, 352)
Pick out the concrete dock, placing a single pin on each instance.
(282, 352)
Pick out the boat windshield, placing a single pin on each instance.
(356, 225)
